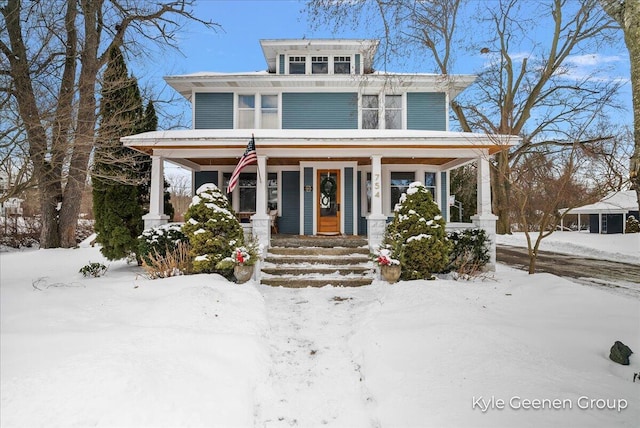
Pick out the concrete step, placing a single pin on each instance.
(296, 241)
(293, 270)
(298, 260)
(294, 282)
(318, 251)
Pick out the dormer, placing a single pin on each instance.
(319, 56)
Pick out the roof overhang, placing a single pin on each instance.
(444, 149)
(188, 84)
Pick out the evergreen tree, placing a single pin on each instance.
(417, 234)
(117, 170)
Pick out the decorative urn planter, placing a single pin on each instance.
(242, 273)
(390, 273)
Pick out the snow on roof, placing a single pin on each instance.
(613, 203)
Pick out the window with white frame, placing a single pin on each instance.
(297, 65)
(319, 65)
(341, 65)
(246, 111)
(269, 109)
(430, 183)
(246, 191)
(370, 108)
(272, 191)
(393, 111)
(400, 182)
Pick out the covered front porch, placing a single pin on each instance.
(323, 182)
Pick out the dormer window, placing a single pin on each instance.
(319, 65)
(341, 65)
(297, 65)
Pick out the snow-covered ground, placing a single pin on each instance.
(124, 351)
(618, 247)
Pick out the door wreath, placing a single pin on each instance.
(328, 188)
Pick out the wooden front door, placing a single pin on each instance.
(328, 203)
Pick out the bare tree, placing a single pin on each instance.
(627, 15)
(52, 57)
(533, 95)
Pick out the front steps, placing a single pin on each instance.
(316, 261)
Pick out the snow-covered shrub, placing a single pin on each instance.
(632, 226)
(93, 269)
(212, 228)
(160, 240)
(418, 230)
(470, 251)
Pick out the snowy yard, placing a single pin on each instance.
(198, 351)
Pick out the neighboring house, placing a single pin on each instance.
(337, 143)
(608, 215)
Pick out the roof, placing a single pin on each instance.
(613, 203)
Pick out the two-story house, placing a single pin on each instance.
(337, 143)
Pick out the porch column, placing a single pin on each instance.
(156, 215)
(484, 218)
(260, 221)
(377, 221)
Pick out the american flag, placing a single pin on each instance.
(247, 158)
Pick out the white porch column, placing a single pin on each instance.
(260, 221)
(156, 215)
(377, 221)
(485, 219)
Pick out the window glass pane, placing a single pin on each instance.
(246, 101)
(393, 119)
(319, 65)
(430, 183)
(269, 111)
(342, 65)
(246, 111)
(245, 119)
(272, 191)
(247, 186)
(370, 119)
(370, 101)
(399, 184)
(297, 65)
(269, 101)
(393, 101)
(370, 112)
(225, 184)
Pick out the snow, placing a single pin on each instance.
(125, 351)
(624, 248)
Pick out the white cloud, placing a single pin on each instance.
(592, 59)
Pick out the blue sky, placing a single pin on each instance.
(235, 46)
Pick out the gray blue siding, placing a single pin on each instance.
(357, 60)
(426, 111)
(362, 220)
(202, 177)
(213, 111)
(320, 110)
(289, 222)
(308, 202)
(281, 60)
(348, 201)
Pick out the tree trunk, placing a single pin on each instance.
(500, 175)
(632, 39)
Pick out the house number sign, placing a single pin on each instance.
(376, 185)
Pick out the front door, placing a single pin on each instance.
(328, 201)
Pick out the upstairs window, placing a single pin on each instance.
(341, 65)
(319, 65)
(393, 111)
(297, 65)
(269, 110)
(246, 111)
(370, 106)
